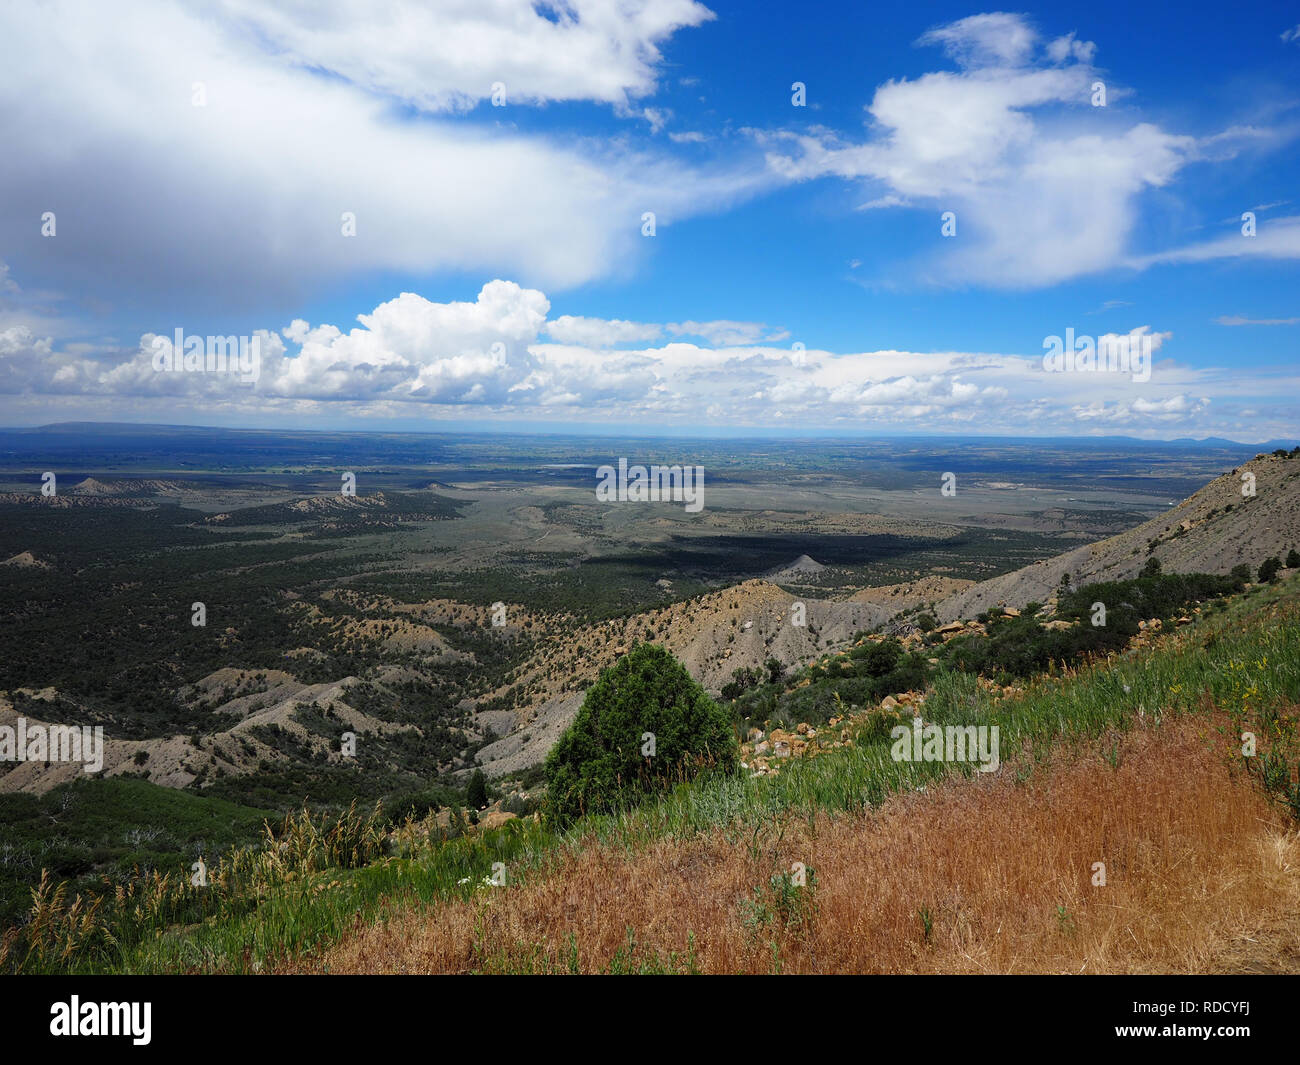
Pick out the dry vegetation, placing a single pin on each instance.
(985, 875)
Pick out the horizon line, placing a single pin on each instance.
(598, 430)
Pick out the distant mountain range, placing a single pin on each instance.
(137, 429)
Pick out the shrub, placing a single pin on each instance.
(1292, 559)
(1268, 570)
(742, 680)
(598, 765)
(1241, 571)
(1146, 597)
(1151, 569)
(774, 670)
(877, 659)
(1021, 647)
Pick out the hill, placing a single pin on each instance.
(1132, 762)
(1209, 532)
(713, 635)
(150, 486)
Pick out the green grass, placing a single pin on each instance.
(108, 827)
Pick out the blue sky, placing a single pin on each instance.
(201, 187)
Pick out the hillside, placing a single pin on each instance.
(1209, 532)
(177, 761)
(744, 626)
(712, 635)
(902, 866)
(92, 486)
(1126, 763)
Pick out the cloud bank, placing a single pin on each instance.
(503, 356)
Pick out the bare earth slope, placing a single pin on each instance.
(1209, 532)
(713, 636)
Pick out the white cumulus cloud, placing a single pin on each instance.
(503, 356)
(1044, 186)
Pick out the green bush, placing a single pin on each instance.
(877, 659)
(1147, 597)
(598, 765)
(1021, 647)
(1268, 570)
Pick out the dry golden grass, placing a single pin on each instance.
(1202, 874)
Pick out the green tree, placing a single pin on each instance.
(1152, 568)
(598, 765)
(1241, 571)
(1292, 558)
(1268, 570)
(476, 793)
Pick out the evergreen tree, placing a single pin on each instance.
(644, 725)
(476, 795)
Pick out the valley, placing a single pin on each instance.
(253, 636)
